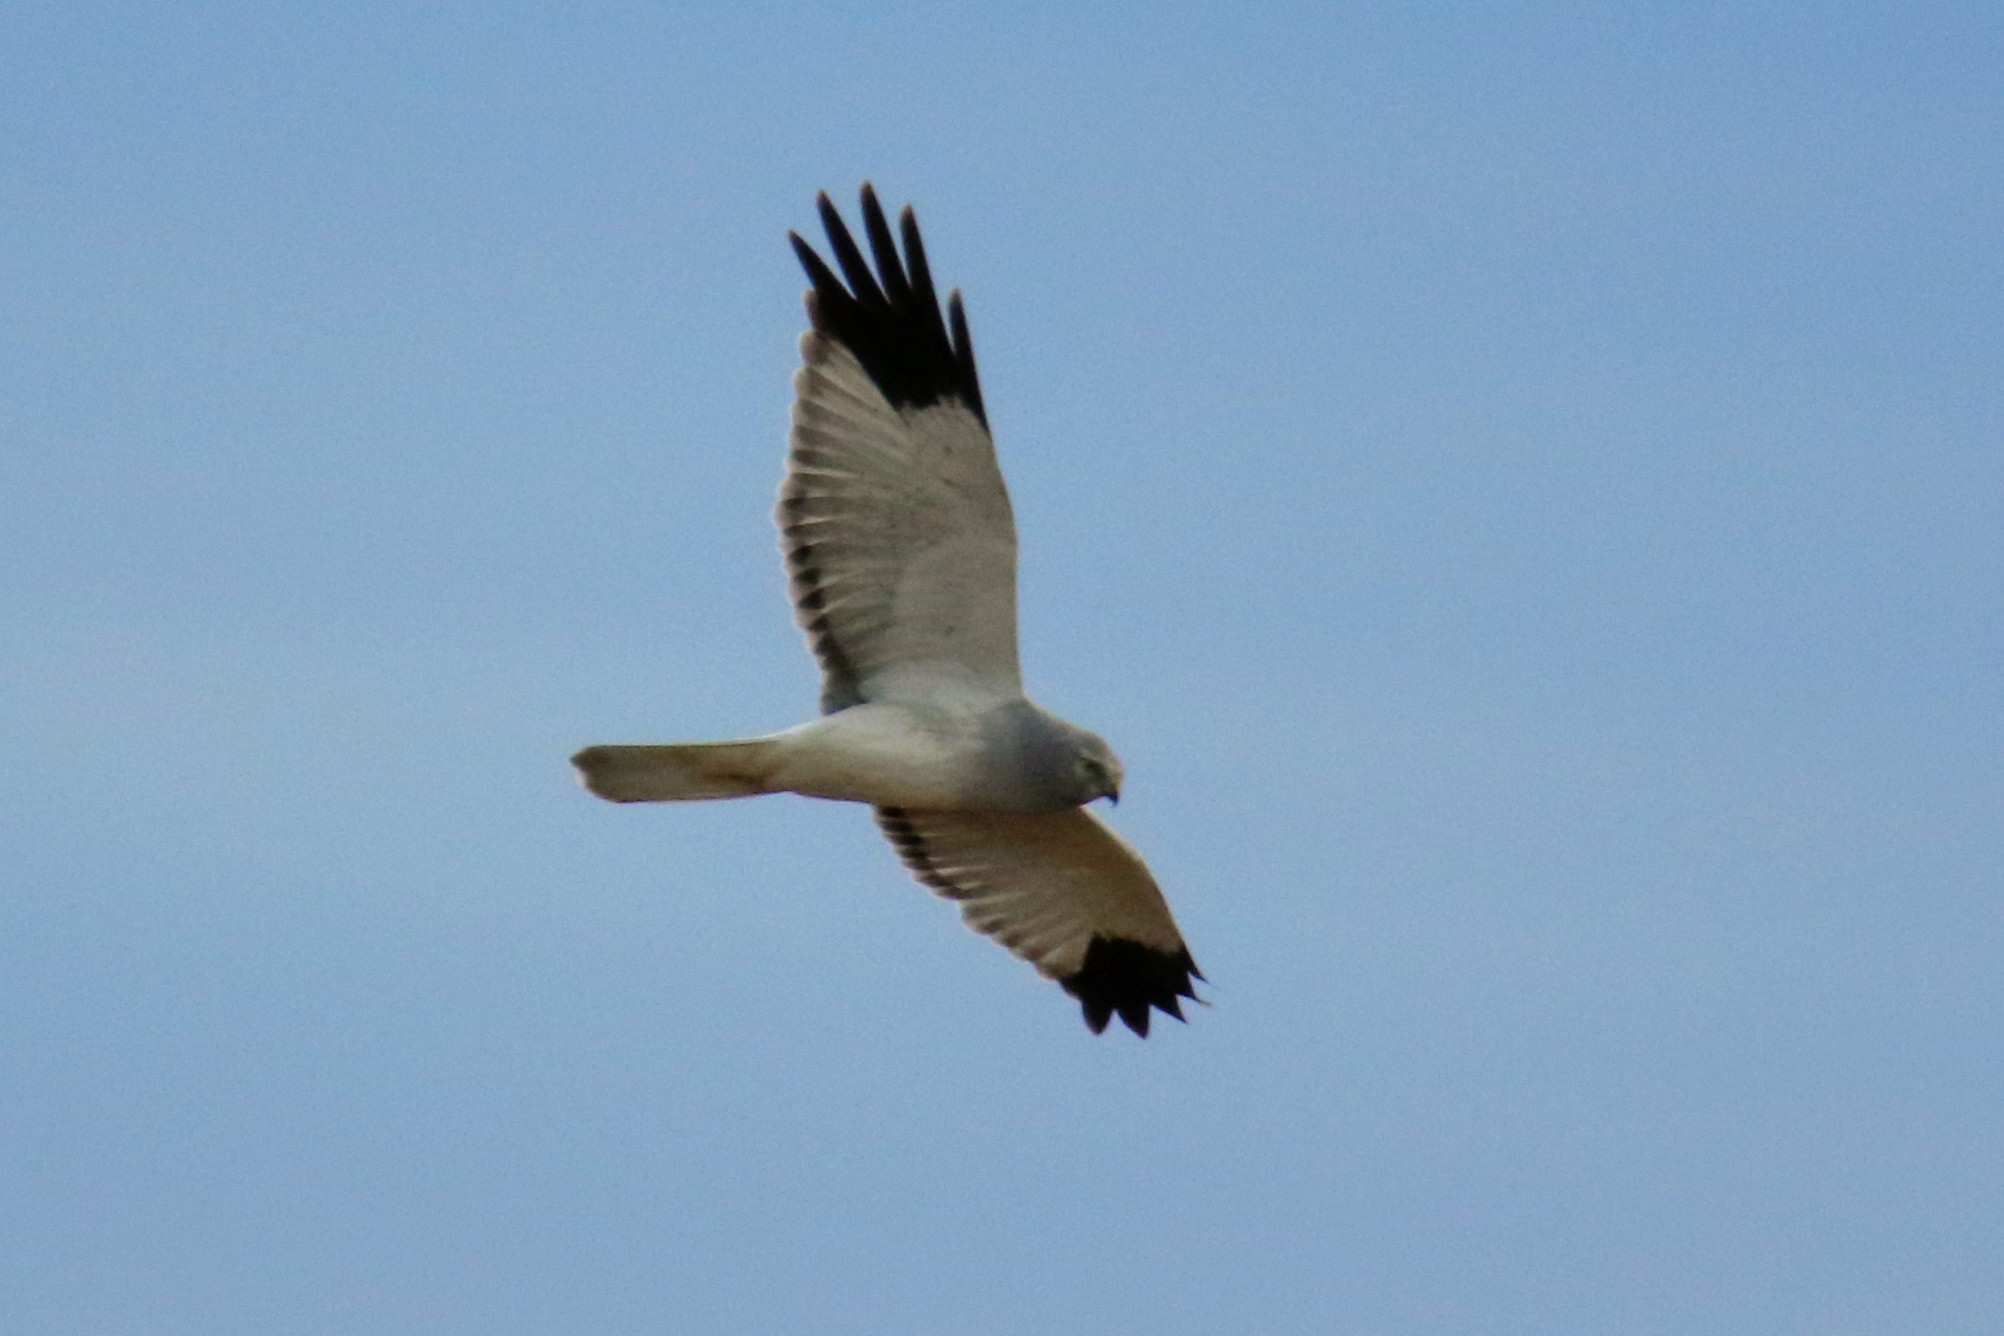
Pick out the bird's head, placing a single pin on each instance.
(1099, 770)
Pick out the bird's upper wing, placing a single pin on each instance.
(900, 543)
(1062, 891)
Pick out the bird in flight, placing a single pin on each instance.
(900, 549)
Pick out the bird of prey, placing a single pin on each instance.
(900, 549)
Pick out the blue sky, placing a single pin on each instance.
(1519, 485)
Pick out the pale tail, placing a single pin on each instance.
(679, 772)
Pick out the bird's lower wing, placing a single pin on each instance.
(1063, 892)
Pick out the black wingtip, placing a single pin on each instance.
(889, 316)
(1124, 978)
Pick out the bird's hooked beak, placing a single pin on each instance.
(1103, 775)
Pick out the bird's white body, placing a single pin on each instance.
(933, 754)
(889, 754)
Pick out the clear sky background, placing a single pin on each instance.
(1520, 486)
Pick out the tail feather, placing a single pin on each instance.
(678, 772)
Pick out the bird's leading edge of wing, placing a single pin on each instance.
(899, 539)
(1063, 892)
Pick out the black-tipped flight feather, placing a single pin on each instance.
(1062, 891)
(899, 539)
(889, 318)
